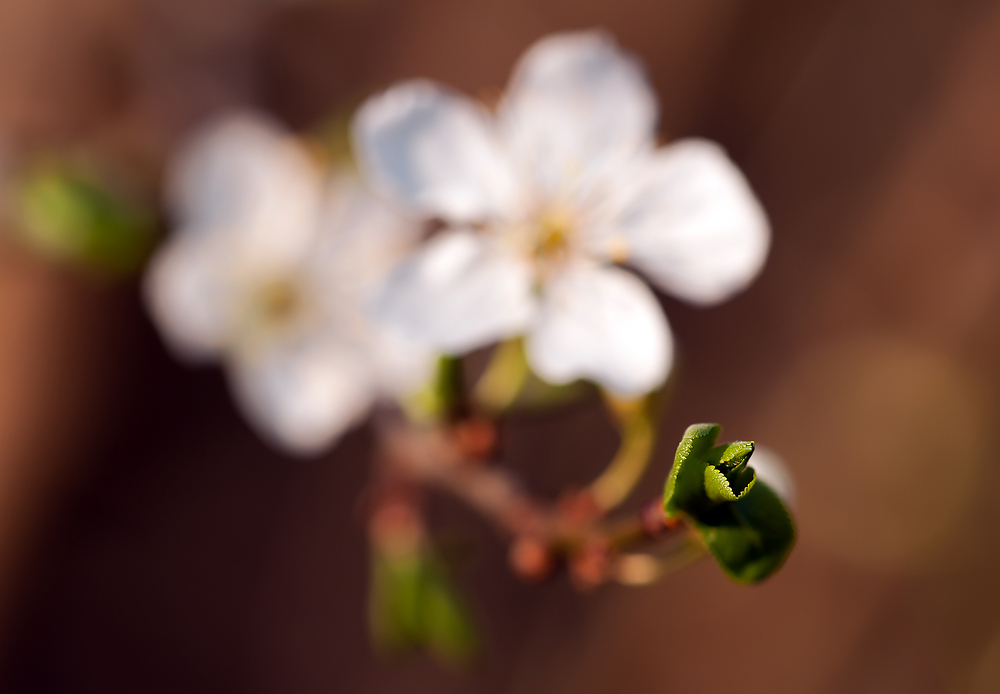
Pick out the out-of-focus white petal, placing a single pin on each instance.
(771, 469)
(243, 176)
(302, 396)
(189, 292)
(458, 292)
(362, 237)
(433, 150)
(602, 324)
(691, 222)
(576, 105)
(401, 366)
(362, 241)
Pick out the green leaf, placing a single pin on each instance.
(394, 602)
(686, 483)
(742, 521)
(413, 605)
(722, 487)
(448, 627)
(727, 477)
(751, 537)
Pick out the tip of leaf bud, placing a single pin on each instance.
(733, 455)
(746, 526)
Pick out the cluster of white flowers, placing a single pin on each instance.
(271, 268)
(320, 296)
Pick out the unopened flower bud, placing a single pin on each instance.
(476, 438)
(588, 568)
(531, 558)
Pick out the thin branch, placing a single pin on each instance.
(574, 528)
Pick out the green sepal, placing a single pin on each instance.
(742, 521)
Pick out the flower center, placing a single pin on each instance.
(554, 232)
(278, 301)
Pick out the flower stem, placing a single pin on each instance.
(543, 532)
(503, 379)
(626, 469)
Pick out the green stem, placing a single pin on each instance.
(626, 469)
(449, 387)
(504, 377)
(442, 399)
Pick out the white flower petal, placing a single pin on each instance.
(576, 105)
(362, 237)
(458, 292)
(187, 291)
(363, 240)
(602, 324)
(245, 177)
(402, 367)
(692, 223)
(303, 396)
(429, 148)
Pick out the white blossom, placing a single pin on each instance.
(543, 199)
(270, 270)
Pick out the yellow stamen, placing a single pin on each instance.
(554, 231)
(278, 301)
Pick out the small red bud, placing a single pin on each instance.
(654, 519)
(588, 568)
(476, 438)
(578, 507)
(531, 559)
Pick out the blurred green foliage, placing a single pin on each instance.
(413, 605)
(74, 217)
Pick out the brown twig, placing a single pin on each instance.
(573, 528)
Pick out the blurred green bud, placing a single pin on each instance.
(414, 606)
(70, 216)
(447, 623)
(742, 521)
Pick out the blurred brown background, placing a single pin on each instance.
(150, 543)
